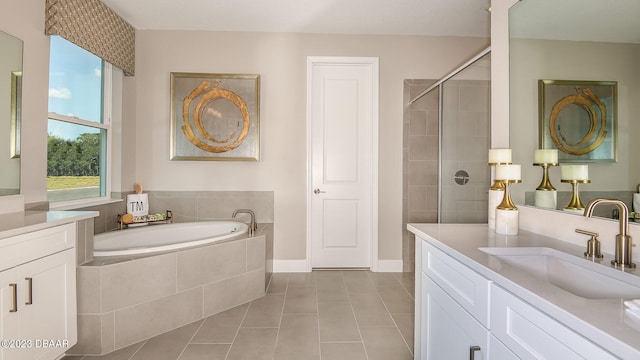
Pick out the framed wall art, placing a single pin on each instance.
(579, 118)
(215, 116)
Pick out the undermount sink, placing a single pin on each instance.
(576, 275)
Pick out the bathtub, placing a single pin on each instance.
(128, 298)
(165, 237)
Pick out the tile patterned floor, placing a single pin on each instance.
(323, 315)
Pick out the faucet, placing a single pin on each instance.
(622, 257)
(253, 226)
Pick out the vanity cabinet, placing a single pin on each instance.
(449, 332)
(462, 310)
(38, 296)
(455, 309)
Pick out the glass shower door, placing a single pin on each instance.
(465, 119)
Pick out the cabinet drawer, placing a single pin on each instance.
(448, 331)
(465, 286)
(531, 334)
(23, 248)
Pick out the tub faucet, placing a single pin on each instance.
(622, 257)
(253, 226)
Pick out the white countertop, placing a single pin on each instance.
(603, 321)
(17, 223)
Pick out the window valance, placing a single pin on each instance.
(91, 25)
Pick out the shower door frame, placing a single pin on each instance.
(439, 85)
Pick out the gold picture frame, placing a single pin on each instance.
(215, 116)
(16, 113)
(579, 118)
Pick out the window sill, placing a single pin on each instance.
(82, 204)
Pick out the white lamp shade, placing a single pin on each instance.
(508, 172)
(545, 156)
(500, 156)
(574, 172)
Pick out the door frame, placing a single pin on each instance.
(372, 62)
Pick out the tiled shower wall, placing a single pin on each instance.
(420, 164)
(465, 140)
(466, 126)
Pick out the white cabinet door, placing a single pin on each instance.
(8, 315)
(448, 330)
(47, 301)
(38, 308)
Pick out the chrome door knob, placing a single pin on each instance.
(318, 191)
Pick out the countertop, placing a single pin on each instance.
(17, 223)
(603, 321)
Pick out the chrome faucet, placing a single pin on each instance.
(622, 257)
(253, 226)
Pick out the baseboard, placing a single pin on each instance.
(389, 266)
(280, 266)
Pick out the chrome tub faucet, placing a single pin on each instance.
(253, 226)
(622, 258)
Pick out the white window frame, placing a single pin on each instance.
(106, 125)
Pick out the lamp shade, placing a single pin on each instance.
(508, 172)
(499, 156)
(574, 172)
(545, 156)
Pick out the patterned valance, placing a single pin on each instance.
(91, 25)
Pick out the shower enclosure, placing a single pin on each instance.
(446, 137)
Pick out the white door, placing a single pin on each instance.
(342, 110)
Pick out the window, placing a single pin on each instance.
(79, 130)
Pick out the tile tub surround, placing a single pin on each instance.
(323, 315)
(123, 303)
(190, 206)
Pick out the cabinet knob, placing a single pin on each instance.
(472, 352)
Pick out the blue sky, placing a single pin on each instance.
(75, 87)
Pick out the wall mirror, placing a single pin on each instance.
(580, 40)
(10, 113)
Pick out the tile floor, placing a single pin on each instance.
(328, 315)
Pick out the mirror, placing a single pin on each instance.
(10, 113)
(579, 40)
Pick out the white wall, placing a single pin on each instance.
(280, 59)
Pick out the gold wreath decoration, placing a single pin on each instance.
(585, 98)
(207, 97)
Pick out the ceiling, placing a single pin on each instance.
(396, 17)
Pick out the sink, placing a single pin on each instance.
(576, 275)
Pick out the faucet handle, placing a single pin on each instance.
(593, 245)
